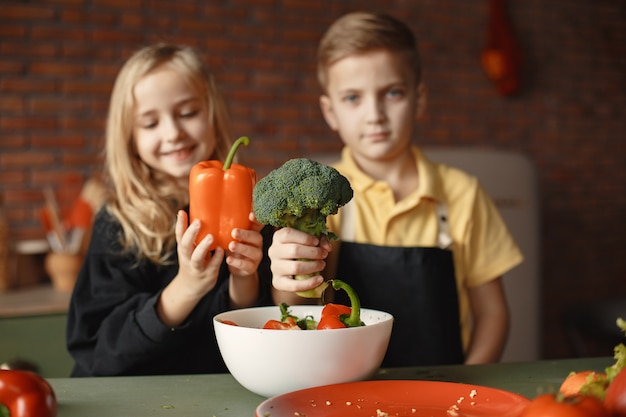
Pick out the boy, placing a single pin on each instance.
(419, 240)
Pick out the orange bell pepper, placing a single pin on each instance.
(220, 195)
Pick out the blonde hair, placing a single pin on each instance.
(145, 201)
(360, 32)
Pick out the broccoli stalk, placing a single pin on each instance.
(300, 194)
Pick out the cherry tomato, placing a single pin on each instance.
(576, 380)
(554, 405)
(615, 400)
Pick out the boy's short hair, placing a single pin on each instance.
(360, 32)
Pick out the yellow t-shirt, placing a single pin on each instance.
(483, 248)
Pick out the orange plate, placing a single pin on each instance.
(396, 398)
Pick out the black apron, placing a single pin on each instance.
(417, 286)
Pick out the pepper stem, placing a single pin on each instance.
(354, 319)
(244, 140)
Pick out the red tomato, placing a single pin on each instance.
(575, 381)
(615, 400)
(288, 324)
(232, 323)
(553, 405)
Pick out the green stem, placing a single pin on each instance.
(354, 319)
(315, 292)
(231, 155)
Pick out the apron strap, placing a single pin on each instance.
(348, 224)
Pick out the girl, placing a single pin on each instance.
(146, 294)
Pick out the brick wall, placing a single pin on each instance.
(58, 60)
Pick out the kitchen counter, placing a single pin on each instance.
(221, 394)
(31, 318)
(32, 301)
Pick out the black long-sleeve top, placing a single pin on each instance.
(113, 327)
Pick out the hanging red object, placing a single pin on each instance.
(502, 57)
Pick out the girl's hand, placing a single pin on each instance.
(197, 273)
(198, 269)
(245, 254)
(246, 251)
(287, 247)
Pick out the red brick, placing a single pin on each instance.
(64, 69)
(12, 177)
(25, 159)
(48, 104)
(236, 13)
(140, 21)
(167, 7)
(114, 36)
(11, 103)
(26, 49)
(8, 30)
(28, 123)
(21, 85)
(80, 124)
(122, 5)
(64, 33)
(88, 17)
(70, 87)
(86, 51)
(70, 141)
(11, 66)
(28, 12)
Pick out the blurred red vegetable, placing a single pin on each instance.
(615, 400)
(26, 394)
(580, 382)
(555, 405)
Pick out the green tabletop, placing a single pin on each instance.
(221, 394)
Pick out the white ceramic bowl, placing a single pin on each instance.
(273, 362)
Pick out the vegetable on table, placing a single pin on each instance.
(301, 194)
(557, 405)
(220, 195)
(608, 387)
(585, 382)
(25, 394)
(615, 400)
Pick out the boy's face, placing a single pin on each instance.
(372, 101)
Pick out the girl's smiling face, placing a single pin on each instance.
(171, 128)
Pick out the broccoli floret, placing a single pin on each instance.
(300, 194)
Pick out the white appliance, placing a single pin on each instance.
(511, 181)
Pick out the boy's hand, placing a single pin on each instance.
(288, 246)
(246, 251)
